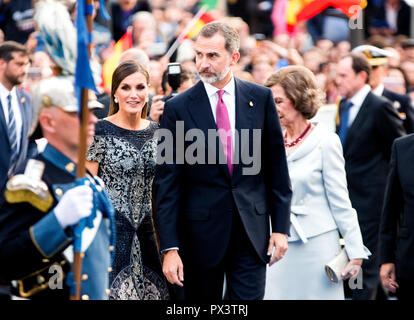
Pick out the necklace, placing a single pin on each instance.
(299, 139)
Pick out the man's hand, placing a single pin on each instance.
(173, 268)
(157, 108)
(280, 243)
(352, 268)
(387, 275)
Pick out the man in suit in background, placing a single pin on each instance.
(15, 117)
(378, 59)
(213, 215)
(369, 124)
(16, 110)
(396, 251)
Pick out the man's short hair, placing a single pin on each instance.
(231, 36)
(8, 47)
(360, 63)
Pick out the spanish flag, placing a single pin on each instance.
(302, 10)
(198, 25)
(110, 64)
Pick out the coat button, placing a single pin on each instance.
(85, 297)
(109, 269)
(111, 248)
(107, 291)
(84, 277)
(45, 260)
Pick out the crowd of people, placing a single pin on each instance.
(254, 211)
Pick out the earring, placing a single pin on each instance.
(116, 100)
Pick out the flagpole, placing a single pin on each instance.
(191, 24)
(81, 168)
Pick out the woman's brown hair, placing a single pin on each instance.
(301, 88)
(121, 72)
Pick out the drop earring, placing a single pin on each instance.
(115, 100)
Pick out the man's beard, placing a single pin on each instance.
(14, 80)
(216, 76)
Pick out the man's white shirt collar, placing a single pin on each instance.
(228, 88)
(379, 90)
(360, 96)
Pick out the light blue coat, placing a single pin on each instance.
(320, 201)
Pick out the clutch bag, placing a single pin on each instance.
(335, 267)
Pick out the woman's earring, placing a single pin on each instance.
(116, 100)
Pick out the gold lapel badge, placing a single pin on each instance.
(251, 104)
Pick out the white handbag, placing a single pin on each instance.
(335, 267)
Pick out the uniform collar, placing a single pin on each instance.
(59, 159)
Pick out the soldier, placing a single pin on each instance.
(43, 205)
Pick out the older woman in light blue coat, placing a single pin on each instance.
(321, 210)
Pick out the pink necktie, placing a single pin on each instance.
(223, 125)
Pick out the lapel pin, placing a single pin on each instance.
(251, 104)
(23, 100)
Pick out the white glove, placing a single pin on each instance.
(75, 204)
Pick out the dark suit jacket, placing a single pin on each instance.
(195, 203)
(397, 221)
(378, 18)
(402, 103)
(26, 113)
(367, 150)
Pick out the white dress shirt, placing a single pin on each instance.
(4, 93)
(357, 101)
(379, 90)
(229, 98)
(391, 15)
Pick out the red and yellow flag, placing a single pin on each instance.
(302, 10)
(203, 20)
(110, 64)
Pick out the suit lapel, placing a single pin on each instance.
(244, 115)
(358, 121)
(22, 101)
(3, 123)
(200, 111)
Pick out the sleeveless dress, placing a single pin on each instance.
(127, 161)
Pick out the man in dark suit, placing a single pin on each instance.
(390, 17)
(16, 110)
(213, 213)
(378, 59)
(369, 124)
(396, 251)
(15, 116)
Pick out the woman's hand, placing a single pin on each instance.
(352, 269)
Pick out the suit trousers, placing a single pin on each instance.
(245, 272)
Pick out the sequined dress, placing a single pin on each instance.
(126, 164)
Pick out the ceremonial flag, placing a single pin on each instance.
(110, 64)
(83, 72)
(302, 10)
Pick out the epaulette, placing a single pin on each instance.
(29, 187)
